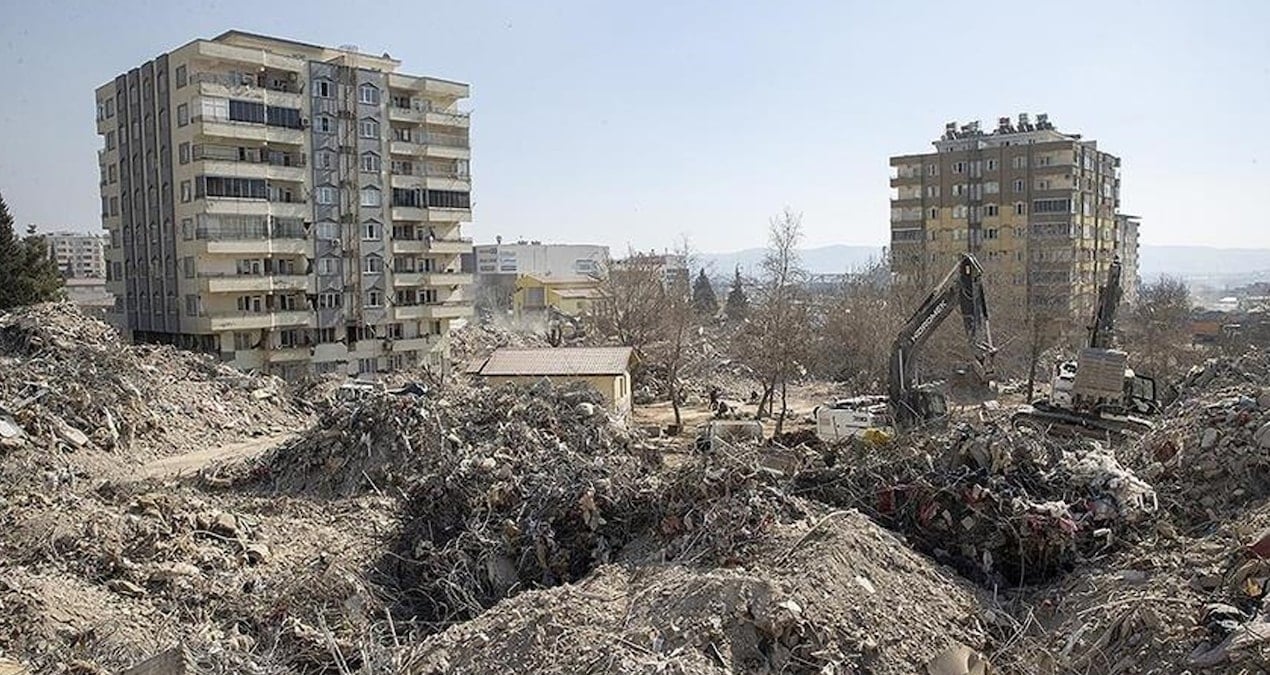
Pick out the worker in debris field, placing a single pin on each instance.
(714, 398)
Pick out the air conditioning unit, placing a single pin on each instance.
(304, 123)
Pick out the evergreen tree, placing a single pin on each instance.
(704, 302)
(27, 273)
(737, 305)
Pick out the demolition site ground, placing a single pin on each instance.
(163, 513)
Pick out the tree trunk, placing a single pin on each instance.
(674, 399)
(780, 421)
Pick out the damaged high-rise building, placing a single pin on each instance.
(1038, 207)
(290, 207)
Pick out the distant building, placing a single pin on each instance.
(1038, 207)
(674, 267)
(572, 295)
(608, 369)
(78, 255)
(90, 294)
(497, 267)
(1127, 245)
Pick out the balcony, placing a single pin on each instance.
(417, 344)
(439, 246)
(431, 279)
(219, 51)
(227, 85)
(214, 127)
(253, 283)
(235, 320)
(256, 207)
(287, 354)
(438, 311)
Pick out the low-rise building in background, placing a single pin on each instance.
(498, 267)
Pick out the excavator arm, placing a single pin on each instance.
(1100, 333)
(961, 288)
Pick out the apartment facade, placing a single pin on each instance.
(78, 255)
(1036, 206)
(290, 207)
(1130, 273)
(499, 267)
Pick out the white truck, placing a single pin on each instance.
(849, 417)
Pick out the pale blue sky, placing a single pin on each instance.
(637, 122)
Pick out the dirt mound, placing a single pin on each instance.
(834, 594)
(74, 400)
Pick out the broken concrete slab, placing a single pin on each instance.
(172, 661)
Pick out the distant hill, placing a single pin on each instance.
(833, 259)
(1202, 264)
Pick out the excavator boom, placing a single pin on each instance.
(961, 289)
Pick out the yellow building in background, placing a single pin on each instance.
(607, 369)
(573, 295)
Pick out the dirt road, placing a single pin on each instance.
(192, 462)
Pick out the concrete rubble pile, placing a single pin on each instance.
(1212, 447)
(477, 339)
(1003, 506)
(67, 385)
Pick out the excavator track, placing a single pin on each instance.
(1062, 423)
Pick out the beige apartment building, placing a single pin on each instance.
(1038, 207)
(78, 255)
(289, 207)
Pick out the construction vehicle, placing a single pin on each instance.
(1096, 395)
(909, 403)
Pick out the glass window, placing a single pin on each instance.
(369, 129)
(368, 94)
(371, 197)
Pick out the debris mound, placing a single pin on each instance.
(833, 593)
(1005, 507)
(66, 381)
(1211, 448)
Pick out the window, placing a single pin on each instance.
(183, 152)
(324, 335)
(369, 129)
(323, 89)
(324, 195)
(226, 186)
(112, 175)
(449, 199)
(1020, 209)
(932, 169)
(368, 94)
(959, 211)
(191, 305)
(991, 165)
(1018, 185)
(372, 265)
(932, 190)
(371, 196)
(324, 160)
(288, 303)
(290, 338)
(328, 231)
(402, 166)
(182, 115)
(182, 78)
(370, 162)
(990, 233)
(324, 124)
(330, 300)
(110, 140)
(990, 210)
(1044, 160)
(371, 231)
(186, 194)
(934, 214)
(244, 341)
(110, 108)
(188, 263)
(991, 187)
(1042, 184)
(366, 366)
(959, 167)
(374, 298)
(1020, 162)
(328, 267)
(959, 189)
(1051, 205)
(246, 111)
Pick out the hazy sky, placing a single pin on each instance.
(638, 122)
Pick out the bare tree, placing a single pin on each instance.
(677, 315)
(775, 341)
(1157, 334)
(858, 322)
(630, 311)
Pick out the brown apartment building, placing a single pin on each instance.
(1038, 207)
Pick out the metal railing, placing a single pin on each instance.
(275, 228)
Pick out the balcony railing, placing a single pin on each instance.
(228, 153)
(425, 106)
(274, 229)
(247, 80)
(447, 140)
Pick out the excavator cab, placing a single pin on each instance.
(1141, 394)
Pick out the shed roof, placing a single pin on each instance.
(557, 361)
(578, 293)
